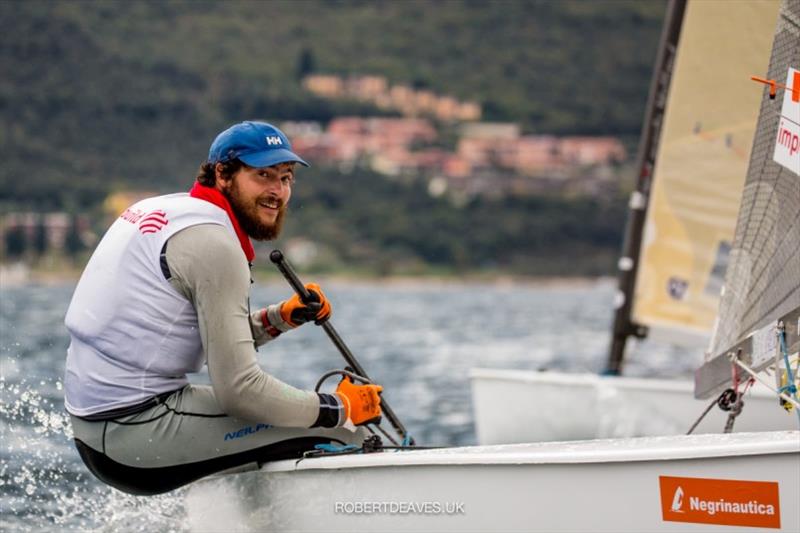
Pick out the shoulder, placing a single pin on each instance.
(205, 238)
(204, 251)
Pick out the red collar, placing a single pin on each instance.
(210, 194)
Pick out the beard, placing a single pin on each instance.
(247, 214)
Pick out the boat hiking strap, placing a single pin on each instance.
(371, 444)
(336, 448)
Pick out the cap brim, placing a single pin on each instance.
(272, 157)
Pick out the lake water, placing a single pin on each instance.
(417, 339)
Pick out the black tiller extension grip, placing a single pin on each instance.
(276, 256)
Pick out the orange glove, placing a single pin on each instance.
(294, 312)
(362, 405)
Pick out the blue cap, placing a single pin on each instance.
(257, 144)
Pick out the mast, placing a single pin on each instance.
(623, 326)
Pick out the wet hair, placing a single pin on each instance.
(207, 176)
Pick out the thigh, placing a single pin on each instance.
(189, 427)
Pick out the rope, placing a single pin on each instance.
(380, 428)
(355, 376)
(352, 375)
(729, 400)
(702, 416)
(790, 386)
(735, 378)
(797, 364)
(755, 375)
(750, 383)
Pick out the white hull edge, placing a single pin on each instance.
(513, 406)
(605, 485)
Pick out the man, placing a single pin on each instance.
(167, 290)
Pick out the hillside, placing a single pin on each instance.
(384, 227)
(97, 94)
(104, 96)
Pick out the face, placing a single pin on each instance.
(259, 197)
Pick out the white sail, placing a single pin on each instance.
(763, 282)
(762, 285)
(709, 122)
(701, 164)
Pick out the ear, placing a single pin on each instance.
(221, 180)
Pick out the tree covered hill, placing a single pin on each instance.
(101, 95)
(119, 95)
(363, 220)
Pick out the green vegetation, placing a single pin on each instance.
(102, 96)
(397, 228)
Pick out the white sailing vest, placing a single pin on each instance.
(133, 336)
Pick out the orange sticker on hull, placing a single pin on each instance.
(726, 502)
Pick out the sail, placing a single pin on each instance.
(761, 298)
(702, 158)
(763, 279)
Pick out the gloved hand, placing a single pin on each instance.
(294, 312)
(362, 404)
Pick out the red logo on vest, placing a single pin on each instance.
(152, 222)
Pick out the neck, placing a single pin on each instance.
(215, 196)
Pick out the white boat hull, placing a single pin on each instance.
(513, 406)
(606, 485)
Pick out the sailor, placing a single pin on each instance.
(167, 291)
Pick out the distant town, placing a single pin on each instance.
(486, 157)
(437, 138)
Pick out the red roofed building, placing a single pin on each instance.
(592, 150)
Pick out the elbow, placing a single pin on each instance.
(230, 403)
(234, 398)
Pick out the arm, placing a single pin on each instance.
(208, 268)
(267, 324)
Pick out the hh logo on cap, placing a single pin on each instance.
(273, 140)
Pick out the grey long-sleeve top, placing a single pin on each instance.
(208, 269)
